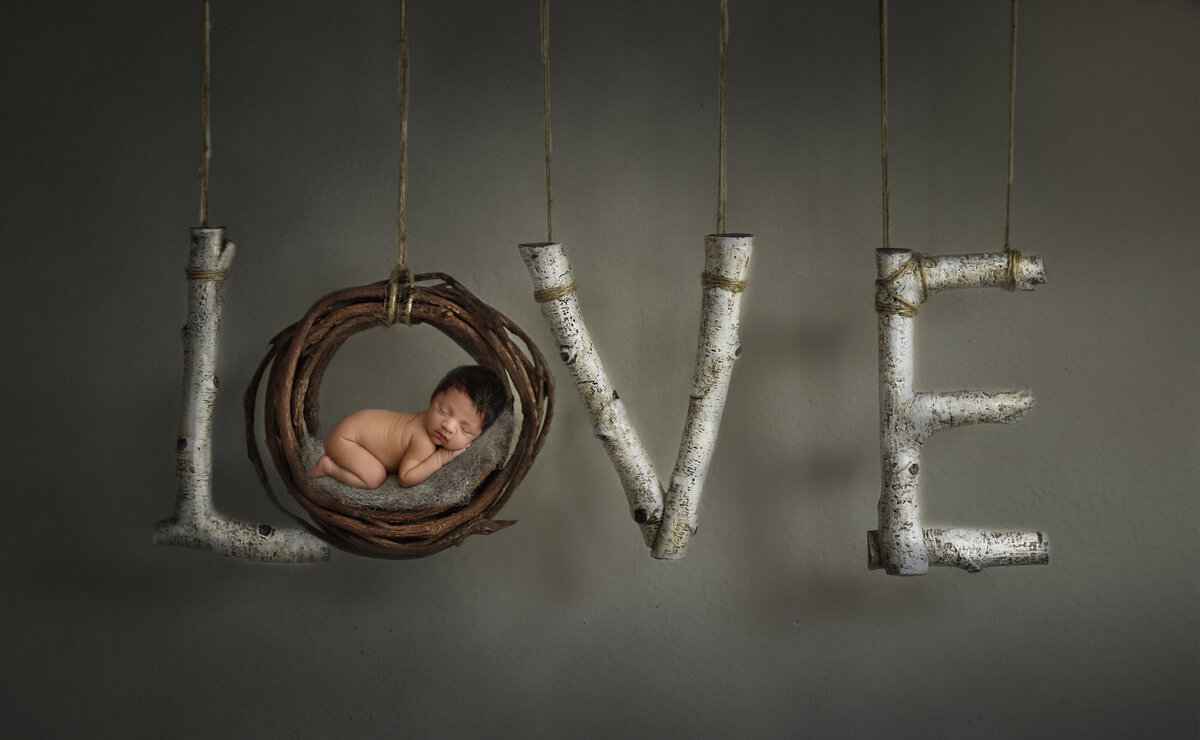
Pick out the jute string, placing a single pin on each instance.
(401, 275)
(208, 276)
(721, 188)
(546, 115)
(1013, 256)
(883, 115)
(205, 89)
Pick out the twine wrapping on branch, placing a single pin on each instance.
(886, 288)
(710, 280)
(553, 294)
(208, 276)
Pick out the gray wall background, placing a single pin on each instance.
(563, 625)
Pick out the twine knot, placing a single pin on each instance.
(887, 298)
(400, 275)
(1011, 271)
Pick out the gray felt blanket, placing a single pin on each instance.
(451, 485)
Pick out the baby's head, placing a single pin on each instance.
(483, 386)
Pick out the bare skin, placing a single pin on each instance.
(364, 447)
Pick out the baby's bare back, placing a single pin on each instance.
(387, 435)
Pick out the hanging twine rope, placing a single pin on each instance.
(899, 305)
(1014, 256)
(206, 86)
(401, 275)
(193, 274)
(546, 116)
(883, 114)
(721, 120)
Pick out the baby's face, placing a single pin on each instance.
(452, 421)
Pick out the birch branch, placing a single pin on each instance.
(196, 523)
(933, 412)
(554, 289)
(990, 270)
(972, 549)
(907, 419)
(726, 262)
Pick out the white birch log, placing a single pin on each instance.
(907, 419)
(726, 263)
(196, 523)
(973, 549)
(554, 289)
(665, 528)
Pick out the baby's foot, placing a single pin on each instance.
(319, 470)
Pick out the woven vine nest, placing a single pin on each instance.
(298, 357)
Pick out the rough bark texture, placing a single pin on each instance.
(726, 258)
(907, 419)
(973, 549)
(196, 523)
(551, 274)
(666, 528)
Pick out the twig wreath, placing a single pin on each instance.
(298, 357)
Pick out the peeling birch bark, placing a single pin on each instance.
(196, 523)
(554, 288)
(901, 546)
(726, 262)
(666, 529)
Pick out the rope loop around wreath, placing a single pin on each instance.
(298, 357)
(401, 276)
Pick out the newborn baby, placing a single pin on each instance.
(364, 447)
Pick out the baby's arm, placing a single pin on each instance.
(412, 471)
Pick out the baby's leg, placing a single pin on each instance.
(347, 461)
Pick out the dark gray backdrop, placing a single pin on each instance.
(563, 625)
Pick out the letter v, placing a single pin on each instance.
(666, 528)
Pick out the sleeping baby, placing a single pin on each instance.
(364, 447)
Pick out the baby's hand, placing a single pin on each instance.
(448, 455)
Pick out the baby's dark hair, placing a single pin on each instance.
(482, 385)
